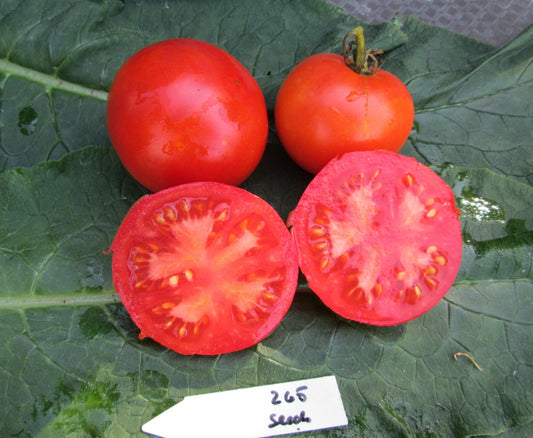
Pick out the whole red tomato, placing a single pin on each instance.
(324, 109)
(183, 110)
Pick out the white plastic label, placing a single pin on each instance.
(260, 411)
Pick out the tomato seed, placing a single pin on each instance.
(352, 278)
(159, 219)
(322, 215)
(432, 283)
(147, 249)
(173, 281)
(170, 214)
(358, 294)
(200, 207)
(320, 221)
(259, 226)
(343, 259)
(189, 274)
(316, 231)
(271, 298)
(182, 332)
(184, 205)
(408, 179)
(432, 270)
(196, 329)
(222, 215)
(431, 213)
(353, 291)
(440, 260)
(413, 295)
(139, 284)
(261, 309)
(320, 245)
(239, 315)
(169, 323)
(141, 262)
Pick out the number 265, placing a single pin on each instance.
(288, 397)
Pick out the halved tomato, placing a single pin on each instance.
(204, 268)
(378, 237)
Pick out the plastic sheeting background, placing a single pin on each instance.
(494, 22)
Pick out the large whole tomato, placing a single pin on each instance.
(183, 110)
(324, 109)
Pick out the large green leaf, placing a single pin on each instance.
(473, 107)
(70, 359)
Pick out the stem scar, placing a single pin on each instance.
(456, 355)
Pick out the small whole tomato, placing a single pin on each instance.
(184, 110)
(331, 104)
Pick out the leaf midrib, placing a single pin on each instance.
(50, 82)
(44, 301)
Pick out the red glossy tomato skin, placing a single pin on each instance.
(204, 268)
(184, 110)
(378, 237)
(324, 109)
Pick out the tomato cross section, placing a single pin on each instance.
(204, 268)
(378, 237)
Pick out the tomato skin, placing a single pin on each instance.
(184, 110)
(378, 237)
(204, 268)
(324, 109)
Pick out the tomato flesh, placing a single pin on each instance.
(204, 268)
(324, 109)
(180, 110)
(378, 237)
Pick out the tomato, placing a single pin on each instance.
(324, 109)
(183, 110)
(378, 237)
(204, 268)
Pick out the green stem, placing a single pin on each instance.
(360, 42)
(366, 60)
(49, 82)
